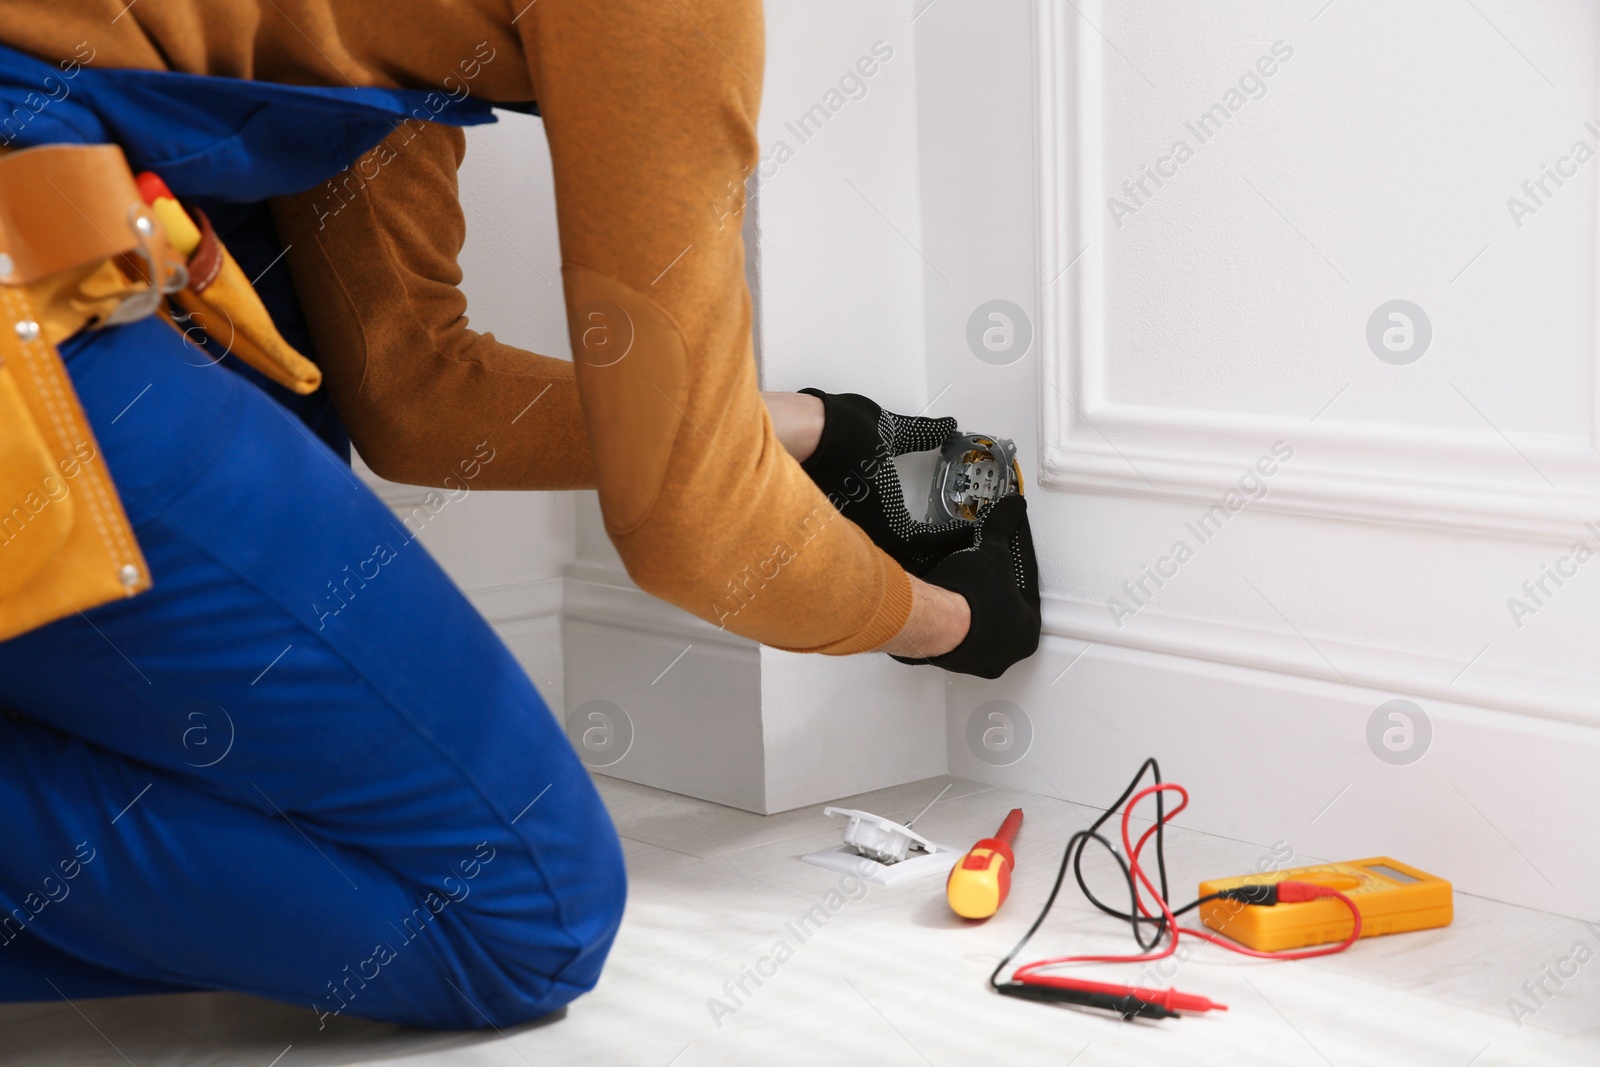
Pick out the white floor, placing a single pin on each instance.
(894, 978)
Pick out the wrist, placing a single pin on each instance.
(797, 419)
(939, 622)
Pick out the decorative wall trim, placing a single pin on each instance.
(605, 595)
(503, 605)
(1541, 489)
(1386, 672)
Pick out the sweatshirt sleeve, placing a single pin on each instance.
(650, 115)
(650, 110)
(373, 254)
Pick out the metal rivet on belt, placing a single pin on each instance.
(28, 330)
(7, 264)
(129, 574)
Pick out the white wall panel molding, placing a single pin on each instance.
(1385, 672)
(1175, 350)
(1528, 485)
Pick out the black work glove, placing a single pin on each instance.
(999, 578)
(854, 465)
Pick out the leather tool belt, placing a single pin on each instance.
(81, 249)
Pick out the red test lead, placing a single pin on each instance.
(1170, 999)
(1155, 921)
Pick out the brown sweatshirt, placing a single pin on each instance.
(650, 108)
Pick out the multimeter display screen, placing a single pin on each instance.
(1391, 873)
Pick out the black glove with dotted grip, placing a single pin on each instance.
(999, 578)
(854, 465)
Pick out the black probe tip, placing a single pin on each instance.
(1128, 1006)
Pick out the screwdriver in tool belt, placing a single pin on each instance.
(181, 231)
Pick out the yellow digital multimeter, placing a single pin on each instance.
(1392, 897)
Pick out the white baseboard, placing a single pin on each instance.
(709, 714)
(519, 602)
(527, 616)
(1274, 747)
(606, 596)
(1271, 741)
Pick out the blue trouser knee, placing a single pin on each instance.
(301, 766)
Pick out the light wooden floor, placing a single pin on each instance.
(894, 978)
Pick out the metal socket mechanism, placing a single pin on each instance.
(973, 469)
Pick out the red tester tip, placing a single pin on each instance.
(1170, 999)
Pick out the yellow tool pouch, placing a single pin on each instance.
(65, 543)
(221, 301)
(80, 249)
(68, 213)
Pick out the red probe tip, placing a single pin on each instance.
(1204, 1004)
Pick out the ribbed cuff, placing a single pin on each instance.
(888, 619)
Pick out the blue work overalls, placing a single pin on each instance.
(220, 783)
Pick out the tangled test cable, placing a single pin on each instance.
(1027, 981)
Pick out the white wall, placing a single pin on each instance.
(1228, 312)
(841, 274)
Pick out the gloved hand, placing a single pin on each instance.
(853, 464)
(999, 578)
